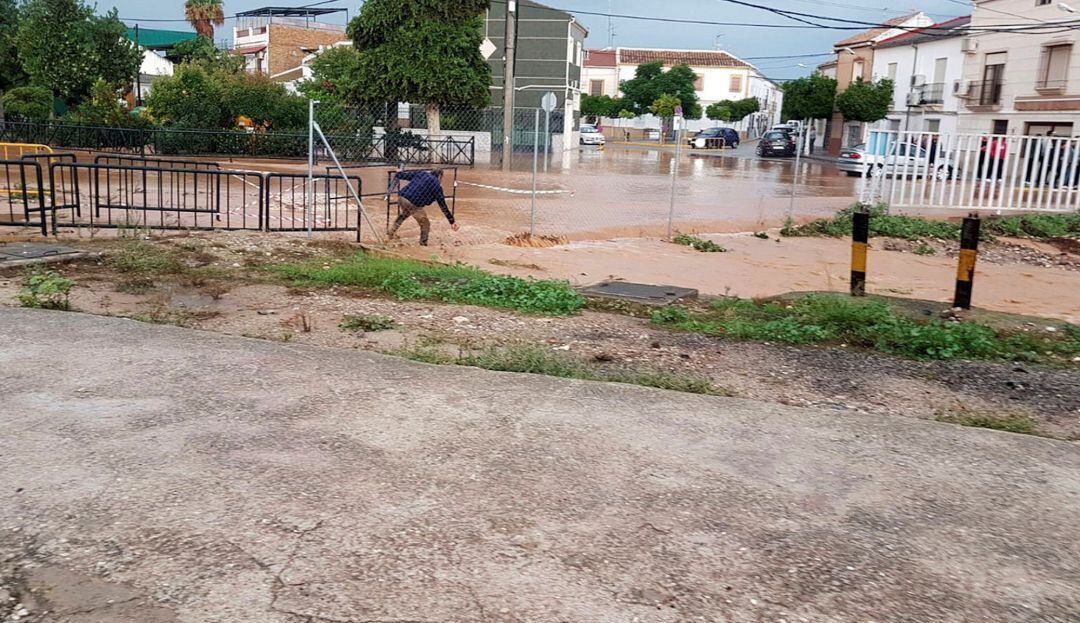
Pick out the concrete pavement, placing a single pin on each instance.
(157, 474)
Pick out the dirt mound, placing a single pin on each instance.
(526, 239)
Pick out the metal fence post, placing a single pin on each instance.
(674, 175)
(965, 272)
(536, 153)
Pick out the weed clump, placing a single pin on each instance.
(698, 244)
(45, 289)
(366, 323)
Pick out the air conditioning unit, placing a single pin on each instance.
(969, 45)
(914, 98)
(961, 88)
(918, 80)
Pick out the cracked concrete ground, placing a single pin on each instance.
(162, 475)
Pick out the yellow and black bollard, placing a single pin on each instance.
(860, 238)
(965, 273)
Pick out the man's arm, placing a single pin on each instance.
(441, 198)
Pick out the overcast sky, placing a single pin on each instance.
(740, 40)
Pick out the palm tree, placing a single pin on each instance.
(204, 15)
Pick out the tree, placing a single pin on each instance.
(11, 73)
(203, 15)
(602, 105)
(651, 81)
(65, 48)
(103, 108)
(28, 104)
(812, 97)
(190, 98)
(423, 51)
(729, 110)
(332, 75)
(664, 106)
(202, 50)
(866, 101)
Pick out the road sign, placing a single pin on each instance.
(549, 102)
(678, 111)
(487, 48)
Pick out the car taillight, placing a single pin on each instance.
(855, 156)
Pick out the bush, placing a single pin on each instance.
(367, 324)
(698, 244)
(45, 289)
(33, 104)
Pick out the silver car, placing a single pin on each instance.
(905, 159)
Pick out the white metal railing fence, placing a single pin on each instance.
(967, 172)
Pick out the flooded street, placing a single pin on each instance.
(626, 191)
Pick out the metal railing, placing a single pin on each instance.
(971, 172)
(22, 195)
(933, 93)
(985, 93)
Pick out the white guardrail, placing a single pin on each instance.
(967, 172)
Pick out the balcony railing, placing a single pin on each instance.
(985, 93)
(1050, 85)
(933, 93)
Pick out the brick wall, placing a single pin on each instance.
(287, 44)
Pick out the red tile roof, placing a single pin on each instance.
(693, 58)
(869, 35)
(600, 58)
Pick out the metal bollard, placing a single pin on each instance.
(860, 238)
(965, 273)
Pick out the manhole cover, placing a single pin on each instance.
(640, 292)
(30, 253)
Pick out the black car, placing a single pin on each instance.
(776, 143)
(714, 138)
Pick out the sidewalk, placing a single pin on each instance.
(157, 474)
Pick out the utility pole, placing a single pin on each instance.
(508, 85)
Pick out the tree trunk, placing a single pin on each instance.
(434, 119)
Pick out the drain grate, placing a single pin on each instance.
(640, 292)
(31, 253)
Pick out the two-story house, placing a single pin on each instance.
(855, 61)
(1022, 83)
(926, 67)
(720, 76)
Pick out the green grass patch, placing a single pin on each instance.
(698, 244)
(925, 249)
(980, 418)
(139, 258)
(367, 323)
(866, 323)
(413, 280)
(532, 359)
(917, 228)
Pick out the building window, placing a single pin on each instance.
(857, 70)
(596, 87)
(1042, 2)
(993, 78)
(891, 75)
(577, 53)
(1001, 126)
(736, 84)
(699, 82)
(933, 125)
(1055, 67)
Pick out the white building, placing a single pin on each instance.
(926, 66)
(1021, 83)
(720, 76)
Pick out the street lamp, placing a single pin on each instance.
(848, 50)
(1066, 8)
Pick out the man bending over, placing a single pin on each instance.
(424, 188)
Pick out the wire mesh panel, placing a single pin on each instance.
(145, 161)
(22, 195)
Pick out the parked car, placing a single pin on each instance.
(590, 135)
(907, 159)
(714, 138)
(777, 143)
(794, 127)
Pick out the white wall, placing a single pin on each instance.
(609, 75)
(716, 84)
(912, 60)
